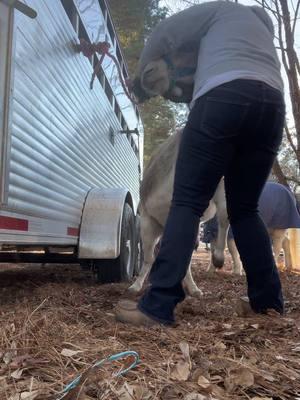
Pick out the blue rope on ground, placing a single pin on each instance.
(114, 357)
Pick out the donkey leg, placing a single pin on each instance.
(218, 254)
(277, 236)
(287, 253)
(211, 269)
(150, 231)
(237, 264)
(190, 284)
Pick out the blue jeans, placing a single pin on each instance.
(234, 131)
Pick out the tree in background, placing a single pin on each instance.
(134, 20)
(287, 166)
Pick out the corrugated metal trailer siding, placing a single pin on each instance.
(60, 139)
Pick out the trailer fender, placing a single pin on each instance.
(101, 222)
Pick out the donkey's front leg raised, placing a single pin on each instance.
(191, 286)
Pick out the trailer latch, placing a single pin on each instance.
(131, 131)
(23, 8)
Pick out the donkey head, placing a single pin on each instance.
(171, 77)
(156, 78)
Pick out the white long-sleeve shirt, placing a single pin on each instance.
(233, 42)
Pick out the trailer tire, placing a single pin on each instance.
(120, 269)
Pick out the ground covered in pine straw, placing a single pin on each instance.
(56, 322)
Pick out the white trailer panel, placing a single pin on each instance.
(59, 132)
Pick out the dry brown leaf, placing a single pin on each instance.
(218, 391)
(136, 392)
(70, 353)
(239, 377)
(17, 373)
(199, 372)
(182, 368)
(180, 371)
(125, 393)
(185, 349)
(261, 398)
(18, 361)
(8, 357)
(289, 373)
(204, 383)
(172, 393)
(25, 395)
(267, 376)
(141, 392)
(229, 333)
(245, 378)
(195, 396)
(220, 346)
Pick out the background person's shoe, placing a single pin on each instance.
(127, 312)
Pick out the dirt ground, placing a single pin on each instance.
(56, 322)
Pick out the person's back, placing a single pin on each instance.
(233, 41)
(238, 45)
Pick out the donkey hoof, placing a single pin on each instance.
(134, 289)
(217, 261)
(197, 293)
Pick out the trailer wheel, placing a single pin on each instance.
(139, 258)
(122, 268)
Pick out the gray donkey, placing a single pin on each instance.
(171, 77)
(155, 200)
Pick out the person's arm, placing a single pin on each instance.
(184, 28)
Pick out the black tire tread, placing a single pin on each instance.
(111, 271)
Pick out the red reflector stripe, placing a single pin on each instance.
(16, 224)
(73, 231)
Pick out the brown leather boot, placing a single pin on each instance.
(243, 308)
(127, 312)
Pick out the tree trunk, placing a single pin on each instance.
(277, 171)
(291, 71)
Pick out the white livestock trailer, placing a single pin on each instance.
(70, 157)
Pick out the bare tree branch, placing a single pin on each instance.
(295, 17)
(277, 171)
(263, 4)
(297, 63)
(289, 137)
(281, 41)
